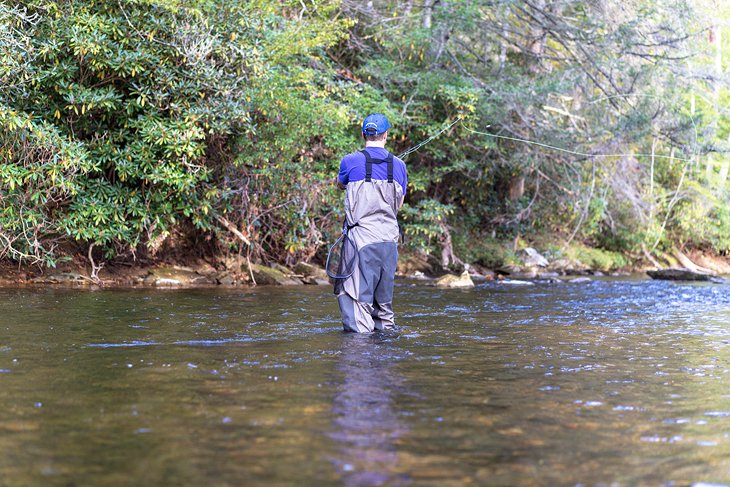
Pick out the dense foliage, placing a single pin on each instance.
(132, 126)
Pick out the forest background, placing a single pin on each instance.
(147, 130)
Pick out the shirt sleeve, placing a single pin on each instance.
(403, 177)
(343, 174)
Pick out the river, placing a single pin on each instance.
(613, 382)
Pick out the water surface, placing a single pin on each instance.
(614, 382)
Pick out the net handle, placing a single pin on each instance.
(329, 255)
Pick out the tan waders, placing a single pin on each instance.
(371, 207)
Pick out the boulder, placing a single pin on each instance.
(176, 276)
(481, 272)
(532, 258)
(224, 278)
(462, 281)
(311, 270)
(267, 276)
(411, 262)
(509, 269)
(568, 267)
(679, 274)
(278, 267)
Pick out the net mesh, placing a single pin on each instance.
(342, 258)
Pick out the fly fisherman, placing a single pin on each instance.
(375, 183)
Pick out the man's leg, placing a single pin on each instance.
(383, 316)
(383, 295)
(356, 316)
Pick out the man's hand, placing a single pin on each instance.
(339, 184)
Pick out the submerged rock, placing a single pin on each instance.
(176, 276)
(462, 281)
(549, 280)
(516, 282)
(62, 278)
(679, 274)
(580, 280)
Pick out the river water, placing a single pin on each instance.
(614, 382)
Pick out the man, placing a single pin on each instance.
(375, 183)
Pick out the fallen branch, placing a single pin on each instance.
(232, 228)
(94, 275)
(686, 262)
(649, 257)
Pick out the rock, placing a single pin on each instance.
(462, 281)
(412, 262)
(62, 278)
(481, 271)
(526, 273)
(267, 276)
(509, 269)
(679, 274)
(568, 267)
(532, 258)
(420, 276)
(516, 282)
(176, 276)
(225, 279)
(315, 281)
(549, 280)
(547, 275)
(580, 280)
(278, 267)
(311, 270)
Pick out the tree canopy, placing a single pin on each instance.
(133, 125)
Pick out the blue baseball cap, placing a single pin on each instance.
(375, 124)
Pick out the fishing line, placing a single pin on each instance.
(418, 146)
(568, 151)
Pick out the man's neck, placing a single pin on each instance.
(375, 143)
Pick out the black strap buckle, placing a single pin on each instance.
(369, 161)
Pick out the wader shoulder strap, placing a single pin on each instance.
(369, 166)
(389, 160)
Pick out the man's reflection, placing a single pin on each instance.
(367, 425)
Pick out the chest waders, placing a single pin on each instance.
(371, 225)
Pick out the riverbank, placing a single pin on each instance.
(526, 263)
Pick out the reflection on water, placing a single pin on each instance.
(614, 382)
(367, 424)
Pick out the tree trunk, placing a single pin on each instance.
(517, 187)
(716, 40)
(724, 169)
(427, 13)
(536, 43)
